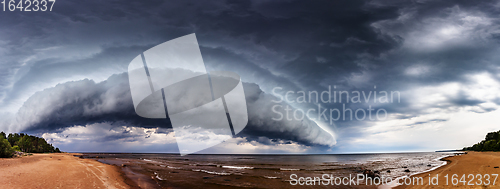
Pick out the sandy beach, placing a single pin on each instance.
(59, 171)
(470, 165)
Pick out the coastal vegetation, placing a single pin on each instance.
(490, 143)
(23, 143)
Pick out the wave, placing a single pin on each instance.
(270, 177)
(158, 176)
(236, 167)
(211, 172)
(287, 169)
(170, 167)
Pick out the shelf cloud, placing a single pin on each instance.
(85, 102)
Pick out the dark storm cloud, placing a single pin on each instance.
(81, 103)
(44, 71)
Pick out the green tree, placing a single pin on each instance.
(16, 148)
(13, 138)
(2, 135)
(25, 144)
(492, 136)
(490, 143)
(5, 149)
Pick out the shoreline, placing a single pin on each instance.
(421, 174)
(394, 185)
(132, 179)
(482, 163)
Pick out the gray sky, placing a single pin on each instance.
(63, 73)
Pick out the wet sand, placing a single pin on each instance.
(203, 172)
(472, 163)
(60, 171)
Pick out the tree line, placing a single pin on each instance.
(490, 143)
(23, 143)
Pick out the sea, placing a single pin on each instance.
(267, 171)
